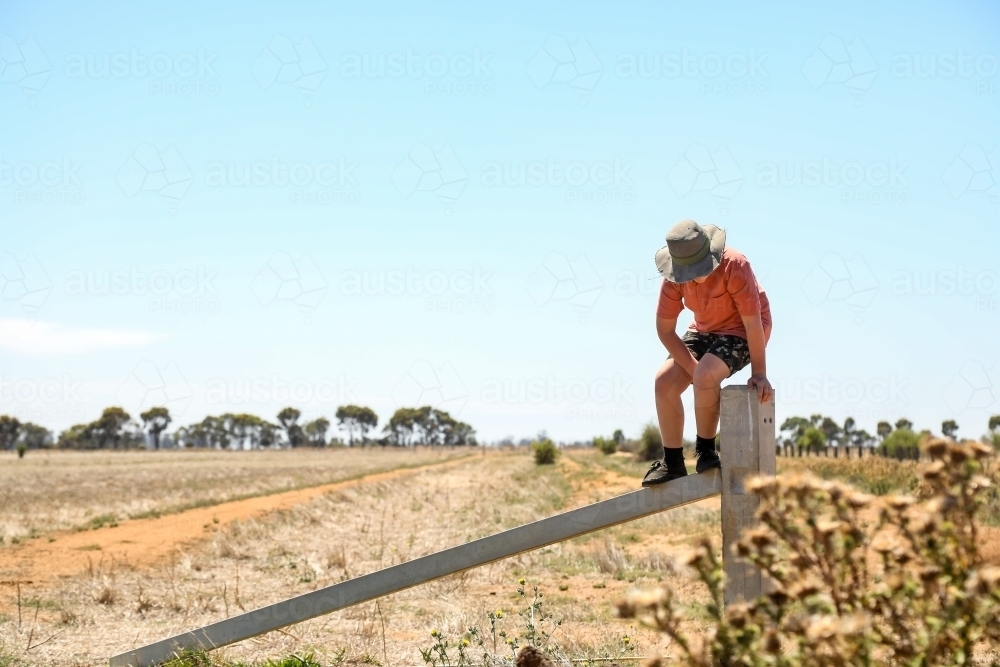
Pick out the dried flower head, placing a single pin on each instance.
(936, 448)
(979, 450)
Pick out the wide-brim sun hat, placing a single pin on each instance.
(692, 251)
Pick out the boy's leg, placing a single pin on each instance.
(708, 377)
(671, 381)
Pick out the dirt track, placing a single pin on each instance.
(141, 542)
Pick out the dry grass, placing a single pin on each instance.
(60, 490)
(114, 606)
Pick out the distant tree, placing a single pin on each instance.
(114, 429)
(794, 427)
(34, 436)
(544, 451)
(357, 421)
(77, 436)
(902, 442)
(949, 428)
(110, 429)
(994, 426)
(816, 420)
(267, 434)
(450, 431)
(812, 440)
(427, 426)
(904, 424)
(831, 430)
(156, 421)
(861, 438)
(315, 431)
(883, 429)
(618, 437)
(650, 443)
(210, 432)
(10, 427)
(605, 445)
(401, 426)
(289, 418)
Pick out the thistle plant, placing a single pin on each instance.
(852, 579)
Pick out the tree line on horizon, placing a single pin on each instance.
(819, 431)
(116, 429)
(813, 435)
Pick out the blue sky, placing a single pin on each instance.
(233, 207)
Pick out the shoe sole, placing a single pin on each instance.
(661, 481)
(715, 465)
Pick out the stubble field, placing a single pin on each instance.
(214, 534)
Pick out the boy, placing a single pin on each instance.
(732, 323)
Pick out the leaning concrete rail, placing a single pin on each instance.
(604, 514)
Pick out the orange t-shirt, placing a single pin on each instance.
(719, 304)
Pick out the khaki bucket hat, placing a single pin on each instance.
(692, 251)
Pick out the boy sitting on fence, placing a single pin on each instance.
(732, 323)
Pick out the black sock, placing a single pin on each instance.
(704, 444)
(673, 456)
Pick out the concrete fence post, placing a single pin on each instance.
(747, 450)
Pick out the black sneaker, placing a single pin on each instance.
(708, 459)
(660, 472)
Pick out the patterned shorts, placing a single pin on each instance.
(733, 350)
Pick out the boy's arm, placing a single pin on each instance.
(758, 361)
(666, 329)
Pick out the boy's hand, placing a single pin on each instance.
(764, 391)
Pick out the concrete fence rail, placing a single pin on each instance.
(747, 449)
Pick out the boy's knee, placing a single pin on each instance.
(667, 381)
(705, 377)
